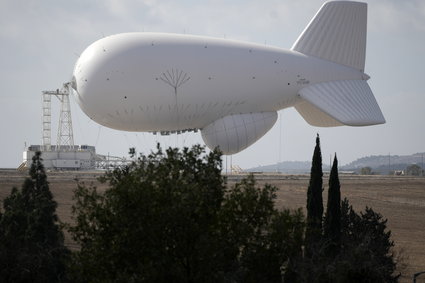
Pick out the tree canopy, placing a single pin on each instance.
(31, 240)
(169, 216)
(414, 170)
(366, 170)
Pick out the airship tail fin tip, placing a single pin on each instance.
(338, 103)
(337, 33)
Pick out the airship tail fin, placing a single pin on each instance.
(339, 103)
(337, 33)
(314, 116)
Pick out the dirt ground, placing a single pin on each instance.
(400, 199)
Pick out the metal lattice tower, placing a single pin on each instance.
(65, 134)
(65, 137)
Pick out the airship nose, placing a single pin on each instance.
(76, 92)
(74, 83)
(74, 87)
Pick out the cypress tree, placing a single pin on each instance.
(31, 241)
(332, 222)
(314, 201)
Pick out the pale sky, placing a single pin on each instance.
(40, 41)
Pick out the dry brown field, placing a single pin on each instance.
(400, 199)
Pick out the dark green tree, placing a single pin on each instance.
(266, 243)
(332, 221)
(366, 170)
(170, 217)
(31, 241)
(156, 223)
(354, 247)
(414, 170)
(313, 232)
(367, 251)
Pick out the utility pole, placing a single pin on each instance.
(280, 143)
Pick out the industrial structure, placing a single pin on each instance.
(65, 155)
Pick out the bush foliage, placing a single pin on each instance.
(169, 217)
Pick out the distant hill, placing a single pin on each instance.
(380, 164)
(288, 167)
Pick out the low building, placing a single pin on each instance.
(78, 157)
